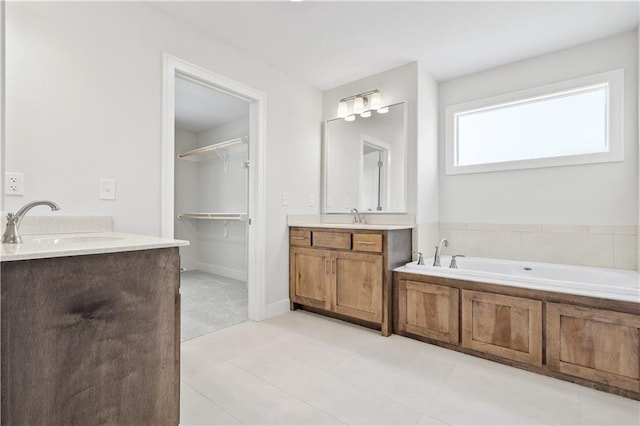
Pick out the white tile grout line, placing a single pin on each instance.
(208, 399)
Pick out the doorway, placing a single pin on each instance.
(227, 184)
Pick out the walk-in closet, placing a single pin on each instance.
(211, 205)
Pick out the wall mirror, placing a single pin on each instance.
(365, 163)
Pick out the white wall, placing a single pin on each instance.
(595, 194)
(221, 191)
(584, 214)
(427, 188)
(84, 101)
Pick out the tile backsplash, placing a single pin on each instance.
(587, 245)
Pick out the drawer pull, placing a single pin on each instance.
(365, 243)
(298, 238)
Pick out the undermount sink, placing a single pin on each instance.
(76, 239)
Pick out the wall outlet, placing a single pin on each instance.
(107, 189)
(285, 198)
(13, 183)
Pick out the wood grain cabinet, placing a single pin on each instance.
(591, 341)
(505, 326)
(428, 310)
(346, 273)
(596, 344)
(92, 339)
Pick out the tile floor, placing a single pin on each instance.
(210, 302)
(303, 369)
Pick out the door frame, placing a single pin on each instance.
(256, 231)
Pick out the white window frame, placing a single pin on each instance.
(615, 112)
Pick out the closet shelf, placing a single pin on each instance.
(242, 217)
(210, 151)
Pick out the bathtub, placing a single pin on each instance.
(616, 284)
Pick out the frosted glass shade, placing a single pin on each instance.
(350, 117)
(358, 105)
(343, 109)
(376, 100)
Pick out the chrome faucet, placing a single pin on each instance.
(453, 264)
(420, 257)
(436, 257)
(11, 234)
(357, 217)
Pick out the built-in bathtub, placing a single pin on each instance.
(616, 284)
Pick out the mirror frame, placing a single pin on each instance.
(325, 166)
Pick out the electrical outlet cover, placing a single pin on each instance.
(107, 189)
(13, 183)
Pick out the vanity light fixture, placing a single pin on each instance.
(363, 104)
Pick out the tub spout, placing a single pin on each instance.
(436, 257)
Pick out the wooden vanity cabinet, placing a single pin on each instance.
(346, 273)
(596, 344)
(92, 339)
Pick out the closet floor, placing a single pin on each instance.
(210, 302)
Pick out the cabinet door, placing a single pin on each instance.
(505, 326)
(309, 277)
(357, 285)
(429, 310)
(595, 344)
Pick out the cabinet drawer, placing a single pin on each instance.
(337, 240)
(367, 242)
(299, 237)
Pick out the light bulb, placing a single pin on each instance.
(376, 100)
(366, 114)
(358, 105)
(343, 109)
(350, 117)
(383, 110)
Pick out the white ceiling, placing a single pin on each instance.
(199, 108)
(328, 44)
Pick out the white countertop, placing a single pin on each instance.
(78, 244)
(364, 226)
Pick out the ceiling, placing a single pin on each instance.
(328, 44)
(199, 108)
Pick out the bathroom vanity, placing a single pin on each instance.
(587, 338)
(345, 271)
(90, 330)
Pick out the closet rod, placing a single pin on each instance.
(214, 147)
(214, 216)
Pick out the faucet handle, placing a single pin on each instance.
(420, 257)
(454, 264)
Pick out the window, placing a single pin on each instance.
(573, 122)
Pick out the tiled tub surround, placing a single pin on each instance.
(586, 245)
(574, 323)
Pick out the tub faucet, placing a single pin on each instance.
(357, 217)
(11, 234)
(453, 264)
(436, 257)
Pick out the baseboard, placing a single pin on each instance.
(235, 274)
(275, 309)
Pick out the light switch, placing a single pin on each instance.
(285, 198)
(107, 189)
(312, 200)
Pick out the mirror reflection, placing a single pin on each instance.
(364, 163)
